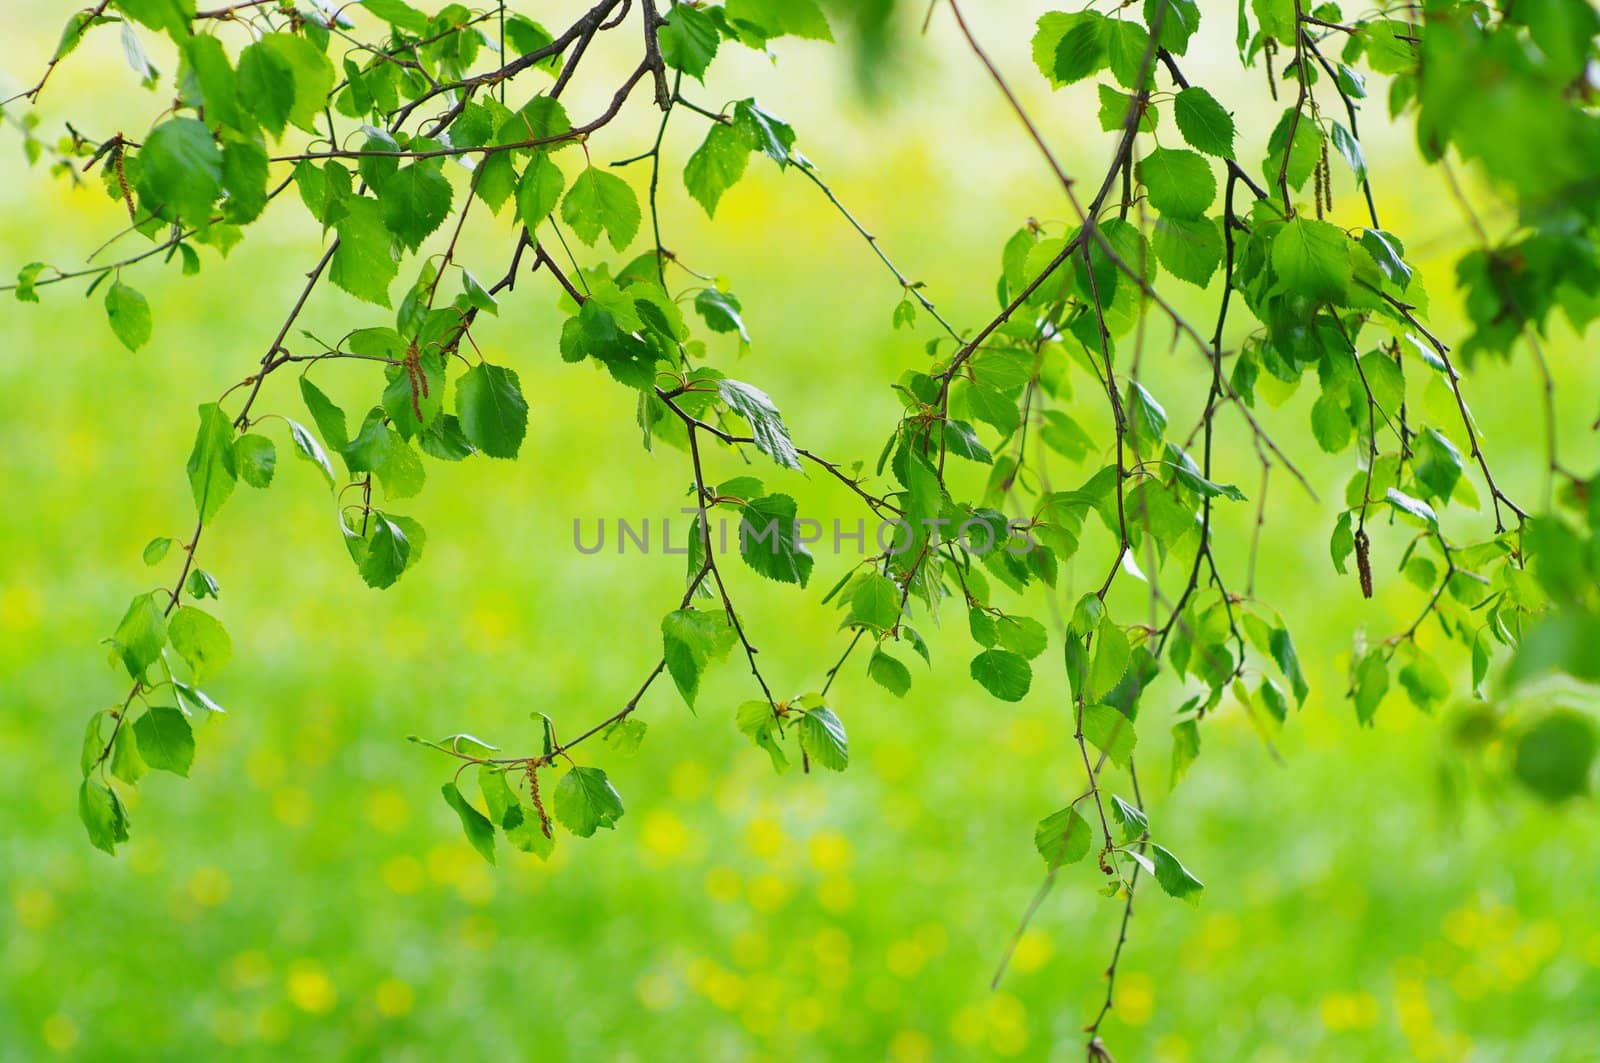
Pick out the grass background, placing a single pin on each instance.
(307, 892)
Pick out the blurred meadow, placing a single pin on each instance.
(306, 894)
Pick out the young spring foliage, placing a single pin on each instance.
(386, 123)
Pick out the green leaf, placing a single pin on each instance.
(212, 471)
(1414, 508)
(381, 161)
(1389, 254)
(1554, 755)
(103, 815)
(721, 312)
(505, 811)
(1111, 656)
(692, 639)
(961, 439)
(1175, 879)
(1147, 421)
(126, 763)
(93, 743)
(493, 413)
(925, 495)
(981, 626)
(529, 834)
(310, 449)
(657, 311)
(1050, 53)
(1439, 464)
(1114, 107)
(1180, 183)
(1276, 19)
(765, 132)
(330, 419)
(72, 33)
(166, 741)
(1134, 822)
(889, 673)
(156, 549)
(716, 165)
(1203, 122)
(994, 408)
(689, 41)
(542, 121)
(129, 314)
(201, 584)
(823, 739)
(1002, 673)
(539, 190)
(769, 540)
(266, 87)
(1425, 682)
(324, 190)
(1110, 732)
(180, 171)
(766, 426)
(1342, 543)
(1330, 420)
(388, 551)
(1304, 152)
(308, 445)
(586, 801)
(477, 295)
(1022, 635)
(194, 702)
(1288, 661)
(625, 736)
(255, 459)
(1372, 682)
(1350, 148)
(200, 640)
(1076, 659)
(778, 18)
(495, 179)
(1126, 43)
(476, 826)
(1178, 20)
(414, 396)
(444, 439)
(1388, 47)
(415, 201)
(1188, 248)
(1086, 615)
(398, 14)
(1311, 258)
(755, 719)
(364, 264)
(138, 60)
(309, 71)
(172, 16)
(26, 289)
(1062, 837)
(600, 200)
(244, 178)
(1185, 748)
(876, 602)
(1080, 52)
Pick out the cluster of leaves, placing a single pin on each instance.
(381, 184)
(387, 122)
(584, 800)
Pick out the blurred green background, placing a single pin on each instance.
(307, 894)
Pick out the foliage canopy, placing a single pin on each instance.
(388, 124)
